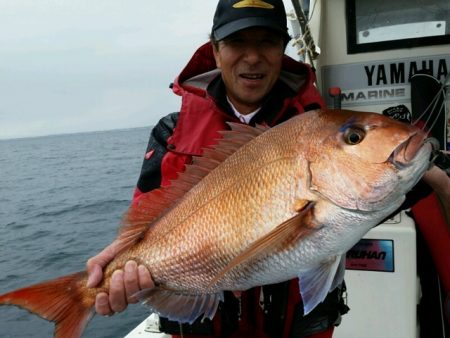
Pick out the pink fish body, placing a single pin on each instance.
(263, 206)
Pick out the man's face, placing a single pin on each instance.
(250, 61)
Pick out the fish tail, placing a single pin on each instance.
(65, 301)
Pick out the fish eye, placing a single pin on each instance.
(354, 135)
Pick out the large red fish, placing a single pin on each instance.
(263, 206)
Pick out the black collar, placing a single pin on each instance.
(270, 108)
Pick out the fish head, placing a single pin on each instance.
(366, 161)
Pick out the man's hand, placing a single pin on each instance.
(438, 180)
(123, 285)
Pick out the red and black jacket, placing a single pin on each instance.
(179, 136)
(205, 111)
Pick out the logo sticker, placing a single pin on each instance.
(371, 255)
(253, 3)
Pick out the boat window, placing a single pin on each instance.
(386, 24)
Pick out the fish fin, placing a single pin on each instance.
(151, 205)
(291, 230)
(61, 300)
(243, 131)
(179, 306)
(230, 142)
(316, 283)
(340, 272)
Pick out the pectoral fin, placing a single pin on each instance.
(316, 283)
(289, 231)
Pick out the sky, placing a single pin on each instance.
(80, 65)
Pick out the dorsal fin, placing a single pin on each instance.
(153, 204)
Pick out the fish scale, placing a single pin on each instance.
(226, 214)
(263, 206)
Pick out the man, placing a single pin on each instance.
(242, 75)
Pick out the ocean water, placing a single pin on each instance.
(61, 201)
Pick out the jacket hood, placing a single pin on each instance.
(201, 70)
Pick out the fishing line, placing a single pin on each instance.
(312, 11)
(437, 115)
(442, 91)
(181, 330)
(432, 102)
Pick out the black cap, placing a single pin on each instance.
(234, 15)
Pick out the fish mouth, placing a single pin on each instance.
(411, 159)
(404, 154)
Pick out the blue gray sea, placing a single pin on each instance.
(61, 201)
